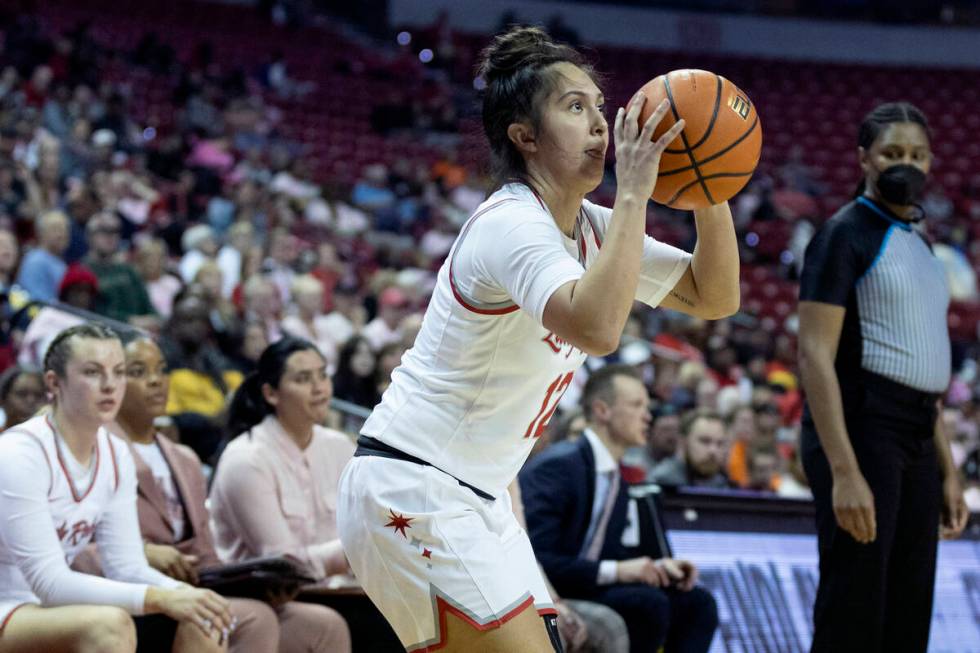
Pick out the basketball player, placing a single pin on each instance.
(537, 279)
(875, 361)
(64, 480)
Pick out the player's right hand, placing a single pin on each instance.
(637, 155)
(642, 570)
(205, 609)
(854, 506)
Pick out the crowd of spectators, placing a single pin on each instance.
(216, 236)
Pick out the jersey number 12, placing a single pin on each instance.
(548, 406)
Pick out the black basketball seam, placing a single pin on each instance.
(683, 189)
(690, 155)
(721, 152)
(711, 123)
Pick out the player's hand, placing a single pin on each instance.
(642, 570)
(168, 560)
(955, 513)
(208, 611)
(637, 155)
(854, 506)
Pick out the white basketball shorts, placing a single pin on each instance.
(423, 546)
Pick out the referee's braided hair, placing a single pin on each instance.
(515, 69)
(879, 118)
(60, 350)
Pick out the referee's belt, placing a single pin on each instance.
(899, 392)
(368, 446)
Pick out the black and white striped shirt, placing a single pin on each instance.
(894, 290)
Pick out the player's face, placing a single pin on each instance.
(304, 391)
(92, 389)
(147, 380)
(574, 133)
(706, 447)
(629, 418)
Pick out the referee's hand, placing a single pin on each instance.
(854, 506)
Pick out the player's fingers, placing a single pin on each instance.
(633, 115)
(654, 119)
(618, 126)
(668, 136)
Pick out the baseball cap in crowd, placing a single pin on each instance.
(78, 274)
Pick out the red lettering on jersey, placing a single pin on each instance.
(553, 341)
(80, 531)
(557, 344)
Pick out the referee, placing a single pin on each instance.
(875, 360)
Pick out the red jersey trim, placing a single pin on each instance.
(452, 280)
(595, 234)
(10, 614)
(443, 608)
(64, 468)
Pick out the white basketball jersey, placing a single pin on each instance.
(74, 510)
(484, 376)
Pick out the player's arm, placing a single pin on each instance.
(591, 311)
(709, 288)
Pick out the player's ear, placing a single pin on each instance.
(522, 136)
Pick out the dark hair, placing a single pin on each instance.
(248, 407)
(10, 376)
(880, 117)
(601, 385)
(59, 351)
(514, 67)
(361, 390)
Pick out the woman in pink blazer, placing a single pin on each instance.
(174, 520)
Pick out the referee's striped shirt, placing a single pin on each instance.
(893, 289)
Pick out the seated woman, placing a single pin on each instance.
(74, 482)
(275, 488)
(21, 394)
(174, 518)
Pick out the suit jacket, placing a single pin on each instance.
(151, 505)
(558, 487)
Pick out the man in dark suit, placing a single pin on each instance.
(578, 516)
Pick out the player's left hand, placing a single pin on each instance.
(955, 513)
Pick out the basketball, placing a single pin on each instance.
(716, 154)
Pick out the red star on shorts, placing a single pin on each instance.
(427, 553)
(399, 522)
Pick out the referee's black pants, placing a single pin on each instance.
(877, 598)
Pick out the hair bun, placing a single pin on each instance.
(516, 48)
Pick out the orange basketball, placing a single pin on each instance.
(716, 154)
